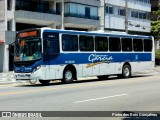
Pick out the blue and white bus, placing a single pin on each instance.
(48, 54)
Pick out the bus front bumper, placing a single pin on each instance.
(26, 76)
(22, 76)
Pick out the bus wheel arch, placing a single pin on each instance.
(126, 71)
(69, 74)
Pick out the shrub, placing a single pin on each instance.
(157, 54)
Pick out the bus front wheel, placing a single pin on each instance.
(67, 76)
(44, 82)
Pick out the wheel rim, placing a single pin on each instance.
(33, 81)
(126, 71)
(68, 75)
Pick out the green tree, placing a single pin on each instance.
(155, 26)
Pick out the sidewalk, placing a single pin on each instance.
(157, 68)
(8, 75)
(7, 78)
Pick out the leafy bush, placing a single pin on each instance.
(157, 54)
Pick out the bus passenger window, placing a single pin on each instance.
(86, 43)
(101, 44)
(53, 48)
(114, 44)
(69, 42)
(126, 44)
(147, 45)
(138, 45)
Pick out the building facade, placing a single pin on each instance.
(16, 15)
(122, 15)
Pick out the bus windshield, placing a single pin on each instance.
(28, 49)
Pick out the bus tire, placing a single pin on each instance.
(67, 76)
(126, 71)
(44, 82)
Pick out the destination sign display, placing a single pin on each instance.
(28, 34)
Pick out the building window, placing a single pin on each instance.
(134, 14)
(35, 6)
(58, 8)
(140, 15)
(9, 2)
(146, 1)
(121, 11)
(86, 43)
(87, 12)
(146, 16)
(94, 12)
(69, 42)
(81, 11)
(109, 9)
(9, 25)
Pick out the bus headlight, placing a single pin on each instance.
(36, 68)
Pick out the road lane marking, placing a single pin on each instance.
(94, 99)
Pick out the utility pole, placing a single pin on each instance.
(102, 15)
(126, 16)
(62, 15)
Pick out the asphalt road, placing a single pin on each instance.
(139, 93)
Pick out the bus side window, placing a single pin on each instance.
(101, 44)
(54, 47)
(114, 44)
(86, 43)
(51, 42)
(69, 42)
(147, 45)
(126, 44)
(51, 47)
(138, 45)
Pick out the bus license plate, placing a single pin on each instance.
(23, 76)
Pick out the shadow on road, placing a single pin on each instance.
(57, 82)
(142, 115)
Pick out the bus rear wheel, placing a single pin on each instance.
(126, 71)
(44, 82)
(67, 76)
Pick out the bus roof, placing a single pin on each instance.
(96, 33)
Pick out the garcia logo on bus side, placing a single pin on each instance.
(98, 59)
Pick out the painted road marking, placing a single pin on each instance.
(94, 99)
